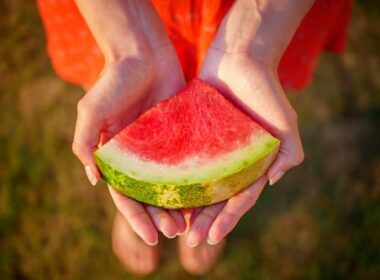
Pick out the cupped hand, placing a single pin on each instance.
(253, 85)
(126, 88)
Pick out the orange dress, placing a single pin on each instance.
(192, 25)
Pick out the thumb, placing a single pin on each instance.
(291, 154)
(86, 138)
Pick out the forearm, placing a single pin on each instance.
(264, 28)
(123, 27)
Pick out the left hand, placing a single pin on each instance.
(255, 88)
(215, 221)
(242, 63)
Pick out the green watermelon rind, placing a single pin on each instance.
(182, 195)
(190, 171)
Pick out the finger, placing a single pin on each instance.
(194, 214)
(135, 213)
(179, 219)
(163, 221)
(202, 223)
(86, 139)
(291, 154)
(234, 209)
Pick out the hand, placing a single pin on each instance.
(242, 63)
(255, 88)
(124, 90)
(136, 76)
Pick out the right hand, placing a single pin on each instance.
(126, 88)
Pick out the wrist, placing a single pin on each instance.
(253, 47)
(222, 69)
(239, 56)
(121, 28)
(264, 55)
(128, 67)
(263, 29)
(118, 54)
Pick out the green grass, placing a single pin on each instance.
(321, 222)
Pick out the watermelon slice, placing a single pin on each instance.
(192, 150)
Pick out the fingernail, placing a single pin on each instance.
(172, 236)
(181, 233)
(152, 244)
(211, 242)
(276, 177)
(190, 241)
(90, 175)
(190, 244)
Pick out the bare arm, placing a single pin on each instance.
(263, 28)
(242, 62)
(253, 37)
(141, 68)
(123, 27)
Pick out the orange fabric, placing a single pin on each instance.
(74, 53)
(191, 25)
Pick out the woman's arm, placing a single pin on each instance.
(262, 28)
(242, 63)
(141, 68)
(123, 28)
(254, 35)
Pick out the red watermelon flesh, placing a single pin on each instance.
(180, 151)
(189, 125)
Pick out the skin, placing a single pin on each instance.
(242, 63)
(253, 49)
(138, 58)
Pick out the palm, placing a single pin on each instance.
(163, 81)
(128, 88)
(125, 90)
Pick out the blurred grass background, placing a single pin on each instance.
(322, 221)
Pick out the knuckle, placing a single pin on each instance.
(251, 199)
(299, 158)
(160, 216)
(83, 106)
(224, 227)
(293, 116)
(208, 217)
(87, 107)
(76, 149)
(230, 217)
(135, 216)
(157, 214)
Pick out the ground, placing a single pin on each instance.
(322, 221)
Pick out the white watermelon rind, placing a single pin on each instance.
(192, 170)
(231, 175)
